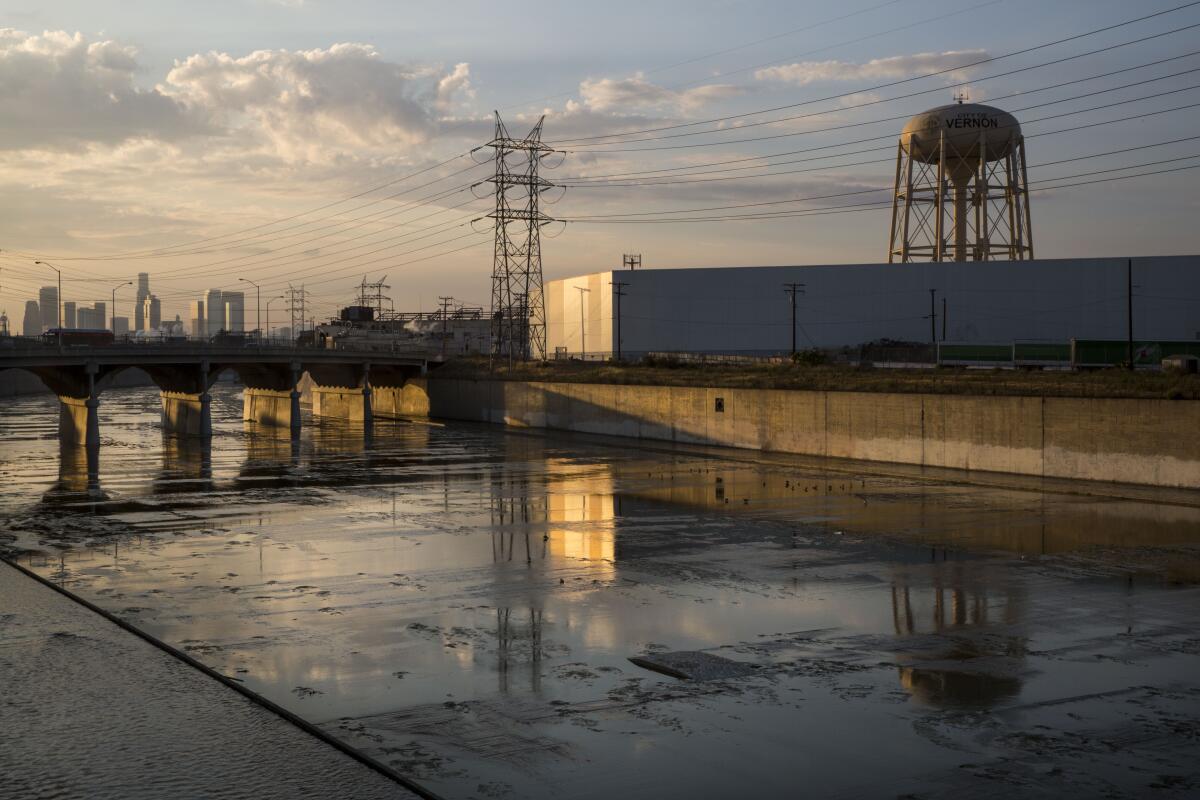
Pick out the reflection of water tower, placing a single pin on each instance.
(961, 187)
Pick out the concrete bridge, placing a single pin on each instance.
(346, 384)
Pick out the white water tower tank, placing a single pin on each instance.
(967, 159)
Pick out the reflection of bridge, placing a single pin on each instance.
(346, 385)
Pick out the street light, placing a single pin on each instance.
(59, 271)
(257, 305)
(114, 304)
(272, 300)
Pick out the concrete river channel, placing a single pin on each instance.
(462, 601)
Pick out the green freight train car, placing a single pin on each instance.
(1042, 354)
(971, 354)
(1099, 353)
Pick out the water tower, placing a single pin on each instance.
(961, 187)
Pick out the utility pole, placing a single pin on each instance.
(618, 286)
(933, 316)
(943, 318)
(1129, 308)
(445, 301)
(631, 261)
(518, 306)
(793, 289)
(582, 327)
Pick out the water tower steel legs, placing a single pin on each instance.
(943, 209)
(939, 241)
(895, 204)
(1025, 197)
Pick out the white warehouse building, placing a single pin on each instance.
(746, 310)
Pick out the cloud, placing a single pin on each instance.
(311, 102)
(456, 83)
(894, 67)
(59, 91)
(636, 93)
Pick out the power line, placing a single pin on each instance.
(365, 219)
(574, 181)
(937, 89)
(901, 81)
(277, 221)
(265, 261)
(804, 133)
(875, 205)
(1136, 148)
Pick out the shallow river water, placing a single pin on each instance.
(462, 602)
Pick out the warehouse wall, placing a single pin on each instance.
(1129, 441)
(744, 309)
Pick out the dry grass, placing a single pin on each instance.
(1100, 383)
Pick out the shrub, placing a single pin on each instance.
(811, 357)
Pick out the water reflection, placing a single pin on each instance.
(271, 455)
(573, 507)
(1027, 522)
(961, 641)
(519, 645)
(78, 474)
(186, 465)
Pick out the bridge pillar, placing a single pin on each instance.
(276, 405)
(187, 413)
(273, 407)
(408, 400)
(186, 403)
(78, 417)
(340, 394)
(294, 407)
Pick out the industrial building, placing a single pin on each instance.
(748, 310)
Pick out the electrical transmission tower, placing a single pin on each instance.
(297, 309)
(518, 307)
(371, 295)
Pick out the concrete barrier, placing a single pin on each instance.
(272, 407)
(186, 413)
(1150, 442)
(409, 400)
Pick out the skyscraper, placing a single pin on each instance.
(48, 302)
(143, 291)
(235, 311)
(120, 326)
(69, 314)
(91, 318)
(199, 327)
(32, 324)
(215, 308)
(150, 314)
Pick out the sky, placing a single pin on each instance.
(313, 142)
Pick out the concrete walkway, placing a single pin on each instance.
(88, 709)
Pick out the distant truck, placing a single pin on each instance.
(93, 337)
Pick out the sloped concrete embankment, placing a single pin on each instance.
(1149, 442)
